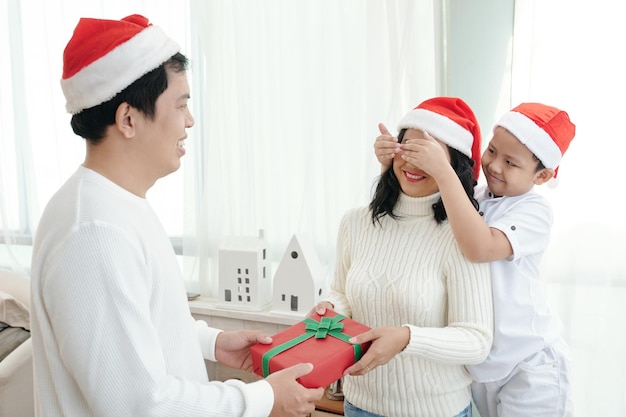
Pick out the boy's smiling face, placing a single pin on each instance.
(510, 168)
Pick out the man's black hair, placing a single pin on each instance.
(142, 94)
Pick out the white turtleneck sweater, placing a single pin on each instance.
(111, 328)
(410, 272)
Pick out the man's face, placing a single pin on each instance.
(163, 136)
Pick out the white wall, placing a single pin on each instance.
(478, 36)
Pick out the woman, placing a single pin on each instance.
(400, 271)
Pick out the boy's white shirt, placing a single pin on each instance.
(523, 321)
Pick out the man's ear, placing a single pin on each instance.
(125, 120)
(543, 176)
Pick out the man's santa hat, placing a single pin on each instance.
(450, 120)
(545, 130)
(103, 57)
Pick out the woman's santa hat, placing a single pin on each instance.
(450, 120)
(545, 130)
(106, 56)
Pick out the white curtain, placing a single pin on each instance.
(570, 54)
(287, 96)
(38, 150)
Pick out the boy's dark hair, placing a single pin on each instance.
(142, 94)
(540, 164)
(388, 187)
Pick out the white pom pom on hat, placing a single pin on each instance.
(103, 57)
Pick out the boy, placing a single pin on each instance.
(527, 371)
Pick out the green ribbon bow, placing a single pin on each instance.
(327, 326)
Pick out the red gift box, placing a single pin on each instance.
(320, 340)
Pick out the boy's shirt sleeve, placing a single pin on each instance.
(526, 222)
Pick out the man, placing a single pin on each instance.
(111, 328)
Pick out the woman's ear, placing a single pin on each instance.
(543, 176)
(124, 120)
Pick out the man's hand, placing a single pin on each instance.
(291, 398)
(233, 348)
(385, 147)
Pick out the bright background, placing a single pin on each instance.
(287, 96)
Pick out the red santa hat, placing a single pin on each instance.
(450, 120)
(103, 57)
(545, 130)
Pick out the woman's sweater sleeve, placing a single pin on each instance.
(468, 335)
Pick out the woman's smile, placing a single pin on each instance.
(411, 177)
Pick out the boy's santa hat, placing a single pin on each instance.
(103, 57)
(545, 130)
(450, 120)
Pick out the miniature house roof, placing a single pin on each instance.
(307, 256)
(298, 282)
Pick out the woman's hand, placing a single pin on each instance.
(387, 342)
(320, 308)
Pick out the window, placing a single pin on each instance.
(287, 96)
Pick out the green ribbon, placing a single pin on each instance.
(327, 326)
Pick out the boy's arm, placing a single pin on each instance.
(478, 242)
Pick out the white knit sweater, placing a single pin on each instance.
(111, 328)
(411, 272)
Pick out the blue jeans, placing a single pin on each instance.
(350, 410)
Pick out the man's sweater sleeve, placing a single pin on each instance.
(110, 346)
(207, 336)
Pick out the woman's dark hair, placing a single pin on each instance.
(142, 94)
(388, 187)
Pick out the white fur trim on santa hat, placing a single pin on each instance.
(440, 127)
(535, 138)
(104, 78)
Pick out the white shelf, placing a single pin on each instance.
(208, 307)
